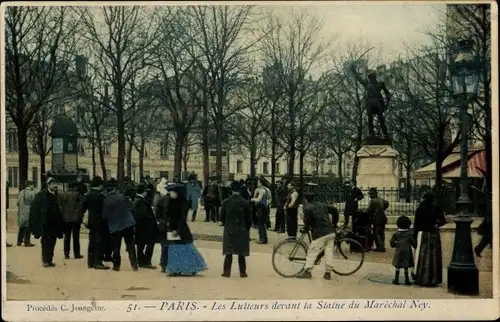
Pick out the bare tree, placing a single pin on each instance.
(222, 38)
(248, 126)
(294, 44)
(124, 38)
(39, 45)
(180, 77)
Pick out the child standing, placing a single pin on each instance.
(403, 241)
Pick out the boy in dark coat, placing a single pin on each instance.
(47, 221)
(98, 227)
(403, 241)
(146, 228)
(117, 210)
(376, 211)
(236, 216)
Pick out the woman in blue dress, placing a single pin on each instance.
(180, 256)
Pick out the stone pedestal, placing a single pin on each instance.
(376, 167)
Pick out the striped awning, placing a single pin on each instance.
(451, 166)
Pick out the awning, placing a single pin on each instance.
(451, 166)
(429, 171)
(476, 166)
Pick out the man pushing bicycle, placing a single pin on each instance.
(317, 219)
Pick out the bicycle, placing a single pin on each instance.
(342, 237)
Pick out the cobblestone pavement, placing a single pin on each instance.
(72, 280)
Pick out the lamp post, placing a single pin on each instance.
(463, 277)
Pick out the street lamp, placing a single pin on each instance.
(463, 276)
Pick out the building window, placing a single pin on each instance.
(278, 168)
(164, 150)
(107, 149)
(13, 177)
(12, 143)
(145, 152)
(34, 174)
(108, 174)
(265, 168)
(239, 166)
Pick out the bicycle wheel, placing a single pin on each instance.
(348, 257)
(289, 257)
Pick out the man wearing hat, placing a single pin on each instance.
(376, 211)
(47, 221)
(118, 213)
(236, 216)
(98, 227)
(146, 228)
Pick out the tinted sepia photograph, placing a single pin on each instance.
(265, 158)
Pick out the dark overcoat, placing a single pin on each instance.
(236, 215)
(146, 227)
(402, 241)
(46, 219)
(171, 213)
(93, 203)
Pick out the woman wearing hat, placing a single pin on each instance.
(179, 255)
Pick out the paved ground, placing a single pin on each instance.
(71, 280)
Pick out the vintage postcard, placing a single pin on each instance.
(244, 160)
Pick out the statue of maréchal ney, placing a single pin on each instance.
(373, 100)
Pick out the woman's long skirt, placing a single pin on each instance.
(428, 270)
(182, 259)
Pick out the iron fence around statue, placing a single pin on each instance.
(401, 201)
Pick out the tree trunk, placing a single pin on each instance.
(359, 140)
(339, 167)
(301, 176)
(23, 154)
(180, 139)
(130, 149)
(218, 148)
(94, 162)
(102, 160)
(120, 127)
(409, 157)
(206, 157)
(253, 161)
(142, 147)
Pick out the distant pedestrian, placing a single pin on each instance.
(117, 210)
(402, 240)
(281, 194)
(351, 203)
(292, 211)
(261, 199)
(376, 211)
(70, 204)
(24, 201)
(146, 228)
(47, 221)
(429, 217)
(81, 187)
(194, 194)
(236, 216)
(98, 248)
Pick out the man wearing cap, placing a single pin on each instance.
(376, 211)
(146, 228)
(236, 216)
(47, 221)
(118, 213)
(351, 204)
(98, 227)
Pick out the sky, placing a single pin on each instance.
(387, 25)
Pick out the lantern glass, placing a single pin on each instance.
(464, 69)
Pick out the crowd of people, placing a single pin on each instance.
(156, 212)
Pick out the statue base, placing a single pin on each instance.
(376, 140)
(377, 169)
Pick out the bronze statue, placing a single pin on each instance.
(373, 100)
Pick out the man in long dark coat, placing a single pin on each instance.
(281, 194)
(376, 211)
(98, 227)
(146, 227)
(236, 216)
(351, 203)
(47, 221)
(69, 202)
